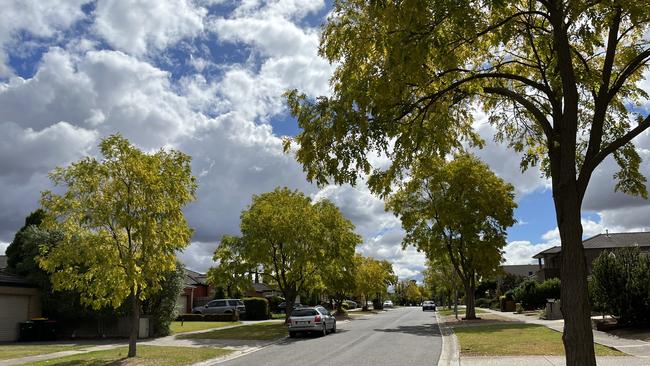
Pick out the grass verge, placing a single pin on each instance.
(260, 331)
(183, 327)
(146, 356)
(8, 351)
(461, 312)
(515, 339)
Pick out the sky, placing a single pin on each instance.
(207, 77)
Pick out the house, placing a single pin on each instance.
(19, 300)
(197, 292)
(551, 259)
(524, 270)
(262, 290)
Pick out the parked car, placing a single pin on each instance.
(368, 304)
(428, 305)
(388, 304)
(221, 306)
(350, 304)
(283, 305)
(311, 320)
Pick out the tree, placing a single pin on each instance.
(440, 276)
(287, 237)
(22, 255)
(232, 274)
(557, 77)
(372, 277)
(459, 210)
(20, 252)
(122, 223)
(621, 285)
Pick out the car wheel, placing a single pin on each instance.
(334, 328)
(292, 334)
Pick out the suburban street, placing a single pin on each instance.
(404, 336)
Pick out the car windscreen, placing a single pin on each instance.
(304, 312)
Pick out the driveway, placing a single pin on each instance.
(404, 336)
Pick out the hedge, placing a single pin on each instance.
(532, 294)
(257, 308)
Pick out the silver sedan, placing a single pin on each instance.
(312, 320)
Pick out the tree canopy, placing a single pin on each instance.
(459, 210)
(122, 223)
(299, 244)
(558, 79)
(373, 277)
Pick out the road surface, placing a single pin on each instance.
(399, 337)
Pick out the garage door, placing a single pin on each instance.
(15, 309)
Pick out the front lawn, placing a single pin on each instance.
(183, 327)
(259, 331)
(515, 339)
(146, 356)
(8, 351)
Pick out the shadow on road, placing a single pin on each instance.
(307, 337)
(426, 330)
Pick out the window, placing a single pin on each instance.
(233, 302)
(217, 303)
(304, 312)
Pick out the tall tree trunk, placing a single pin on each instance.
(470, 310)
(135, 322)
(578, 336)
(289, 298)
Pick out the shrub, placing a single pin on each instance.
(257, 308)
(621, 285)
(162, 306)
(482, 302)
(533, 295)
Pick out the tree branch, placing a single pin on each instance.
(530, 107)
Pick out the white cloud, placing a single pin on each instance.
(40, 18)
(522, 252)
(142, 26)
(3, 247)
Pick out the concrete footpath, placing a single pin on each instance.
(638, 351)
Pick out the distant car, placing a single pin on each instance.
(388, 304)
(428, 305)
(369, 304)
(221, 306)
(350, 304)
(311, 320)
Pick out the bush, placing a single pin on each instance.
(532, 295)
(621, 285)
(162, 306)
(482, 302)
(274, 301)
(257, 308)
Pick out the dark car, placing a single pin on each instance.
(428, 305)
(283, 305)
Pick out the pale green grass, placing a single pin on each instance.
(183, 327)
(461, 311)
(146, 356)
(515, 339)
(8, 351)
(259, 331)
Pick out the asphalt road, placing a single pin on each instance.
(399, 337)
